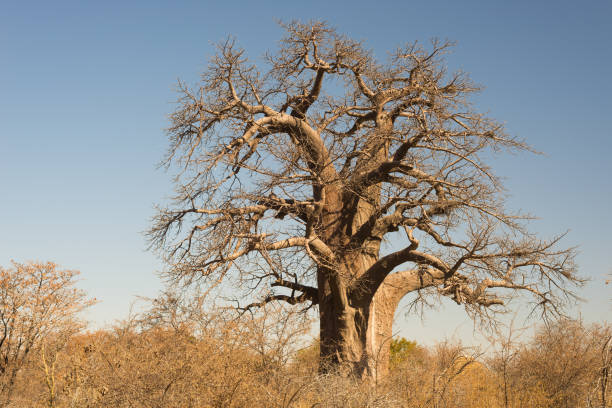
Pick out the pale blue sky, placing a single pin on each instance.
(85, 88)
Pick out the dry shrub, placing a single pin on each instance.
(563, 361)
(446, 375)
(223, 360)
(224, 363)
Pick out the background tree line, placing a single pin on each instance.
(181, 353)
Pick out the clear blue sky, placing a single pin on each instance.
(85, 88)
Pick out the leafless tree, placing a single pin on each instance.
(328, 178)
(601, 390)
(502, 362)
(38, 301)
(562, 363)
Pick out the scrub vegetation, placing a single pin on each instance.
(176, 354)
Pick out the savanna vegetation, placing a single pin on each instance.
(180, 354)
(320, 187)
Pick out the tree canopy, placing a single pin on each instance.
(326, 177)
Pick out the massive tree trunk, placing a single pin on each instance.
(349, 322)
(344, 339)
(356, 340)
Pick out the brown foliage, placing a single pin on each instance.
(253, 361)
(38, 304)
(564, 361)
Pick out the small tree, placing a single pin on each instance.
(399, 350)
(503, 359)
(295, 177)
(602, 382)
(563, 362)
(37, 301)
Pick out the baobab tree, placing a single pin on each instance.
(327, 178)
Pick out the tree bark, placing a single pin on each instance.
(343, 324)
(357, 340)
(343, 341)
(384, 305)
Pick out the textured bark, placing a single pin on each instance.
(360, 337)
(383, 308)
(343, 340)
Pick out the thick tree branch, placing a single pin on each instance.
(305, 101)
(311, 292)
(292, 300)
